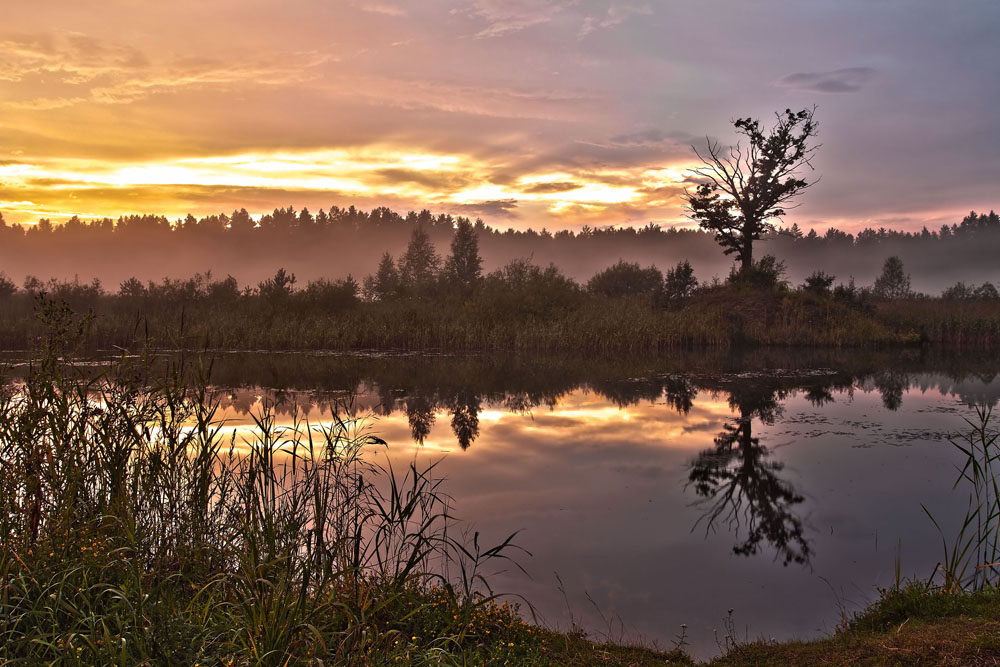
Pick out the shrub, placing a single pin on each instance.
(766, 274)
(818, 283)
(626, 279)
(680, 282)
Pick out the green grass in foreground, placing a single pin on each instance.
(912, 625)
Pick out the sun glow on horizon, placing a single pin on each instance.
(420, 178)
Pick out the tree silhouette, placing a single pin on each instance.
(385, 284)
(465, 418)
(421, 416)
(743, 189)
(740, 487)
(680, 281)
(278, 287)
(7, 286)
(819, 282)
(464, 267)
(894, 282)
(240, 222)
(418, 266)
(891, 385)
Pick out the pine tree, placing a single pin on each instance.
(419, 265)
(894, 283)
(384, 284)
(463, 269)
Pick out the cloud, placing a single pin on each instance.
(499, 208)
(847, 80)
(652, 138)
(119, 84)
(95, 71)
(383, 8)
(70, 58)
(45, 103)
(557, 186)
(464, 98)
(273, 69)
(436, 180)
(615, 15)
(506, 16)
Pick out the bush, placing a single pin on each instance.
(961, 291)
(766, 274)
(818, 283)
(626, 279)
(526, 289)
(332, 295)
(7, 286)
(680, 282)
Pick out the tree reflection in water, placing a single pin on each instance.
(742, 489)
(420, 413)
(465, 418)
(736, 480)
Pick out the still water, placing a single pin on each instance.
(780, 485)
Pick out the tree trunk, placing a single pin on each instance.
(747, 257)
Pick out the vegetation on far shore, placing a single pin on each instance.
(422, 303)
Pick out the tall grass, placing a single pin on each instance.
(969, 323)
(722, 317)
(139, 529)
(971, 560)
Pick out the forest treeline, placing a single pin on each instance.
(423, 299)
(336, 242)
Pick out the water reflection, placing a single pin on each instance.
(740, 487)
(737, 481)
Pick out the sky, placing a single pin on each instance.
(527, 113)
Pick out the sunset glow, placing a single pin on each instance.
(541, 113)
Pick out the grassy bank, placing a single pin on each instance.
(910, 625)
(722, 317)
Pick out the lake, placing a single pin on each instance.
(782, 485)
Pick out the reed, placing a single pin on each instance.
(723, 317)
(139, 529)
(971, 560)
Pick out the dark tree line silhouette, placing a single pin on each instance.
(340, 241)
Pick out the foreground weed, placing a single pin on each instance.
(140, 529)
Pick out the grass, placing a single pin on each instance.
(140, 530)
(914, 624)
(951, 322)
(493, 320)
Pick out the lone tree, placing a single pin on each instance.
(742, 189)
(894, 282)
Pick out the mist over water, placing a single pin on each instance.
(349, 242)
